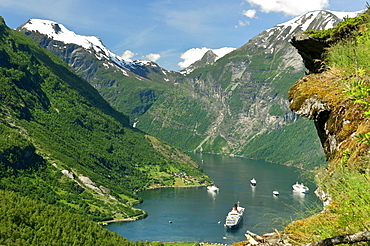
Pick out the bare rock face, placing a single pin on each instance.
(311, 50)
(337, 119)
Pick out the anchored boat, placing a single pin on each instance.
(300, 188)
(234, 217)
(212, 188)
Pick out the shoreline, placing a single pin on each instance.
(143, 216)
(175, 186)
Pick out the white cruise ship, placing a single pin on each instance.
(234, 217)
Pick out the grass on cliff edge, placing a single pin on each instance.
(347, 213)
(351, 56)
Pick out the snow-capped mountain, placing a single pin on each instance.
(57, 32)
(133, 85)
(273, 38)
(314, 20)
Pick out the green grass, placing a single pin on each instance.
(347, 28)
(351, 57)
(349, 210)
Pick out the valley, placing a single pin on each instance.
(83, 130)
(231, 105)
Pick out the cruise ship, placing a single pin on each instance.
(234, 217)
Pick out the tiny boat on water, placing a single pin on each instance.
(212, 188)
(234, 217)
(300, 188)
(275, 193)
(253, 182)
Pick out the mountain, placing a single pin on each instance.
(64, 145)
(234, 105)
(133, 86)
(208, 59)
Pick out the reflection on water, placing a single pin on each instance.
(199, 215)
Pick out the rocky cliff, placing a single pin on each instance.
(320, 95)
(331, 95)
(337, 119)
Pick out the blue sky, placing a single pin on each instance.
(167, 28)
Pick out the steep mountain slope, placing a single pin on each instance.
(63, 144)
(131, 86)
(233, 105)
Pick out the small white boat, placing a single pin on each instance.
(253, 182)
(212, 188)
(234, 217)
(275, 193)
(300, 188)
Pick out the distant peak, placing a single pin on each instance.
(201, 57)
(305, 18)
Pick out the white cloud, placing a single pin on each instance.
(242, 23)
(192, 55)
(289, 7)
(127, 55)
(153, 57)
(250, 13)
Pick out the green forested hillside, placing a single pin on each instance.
(62, 144)
(28, 222)
(284, 145)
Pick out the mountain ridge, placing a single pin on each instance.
(58, 32)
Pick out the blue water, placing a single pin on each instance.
(199, 215)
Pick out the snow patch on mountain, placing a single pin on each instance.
(305, 22)
(60, 33)
(314, 20)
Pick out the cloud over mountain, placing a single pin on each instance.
(153, 57)
(192, 55)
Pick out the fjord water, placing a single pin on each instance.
(199, 215)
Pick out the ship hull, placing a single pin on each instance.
(236, 225)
